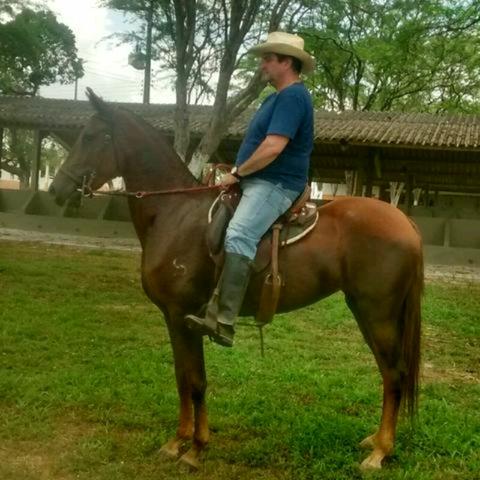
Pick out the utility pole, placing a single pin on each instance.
(148, 54)
(75, 97)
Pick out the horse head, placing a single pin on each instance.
(92, 160)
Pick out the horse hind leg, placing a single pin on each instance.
(379, 327)
(382, 442)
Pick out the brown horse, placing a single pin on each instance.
(364, 247)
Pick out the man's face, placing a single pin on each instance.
(272, 68)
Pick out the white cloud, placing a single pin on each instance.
(106, 68)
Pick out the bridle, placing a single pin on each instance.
(86, 181)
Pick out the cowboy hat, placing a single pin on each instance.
(286, 44)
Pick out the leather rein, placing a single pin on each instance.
(88, 178)
(142, 194)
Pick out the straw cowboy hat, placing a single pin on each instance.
(286, 44)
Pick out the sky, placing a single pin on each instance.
(106, 66)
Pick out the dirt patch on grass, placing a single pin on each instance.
(42, 460)
(432, 373)
(455, 274)
(31, 460)
(444, 364)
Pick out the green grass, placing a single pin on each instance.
(87, 388)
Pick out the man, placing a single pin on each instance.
(272, 168)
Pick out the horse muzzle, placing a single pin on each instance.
(65, 184)
(62, 193)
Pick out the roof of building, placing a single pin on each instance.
(357, 128)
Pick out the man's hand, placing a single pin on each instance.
(227, 180)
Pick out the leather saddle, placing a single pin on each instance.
(296, 223)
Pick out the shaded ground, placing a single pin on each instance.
(450, 273)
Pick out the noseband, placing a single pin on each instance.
(85, 180)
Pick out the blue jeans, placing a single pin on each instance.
(261, 204)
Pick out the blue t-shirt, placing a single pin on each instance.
(288, 113)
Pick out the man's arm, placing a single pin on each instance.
(266, 153)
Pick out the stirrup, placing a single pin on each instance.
(210, 328)
(201, 325)
(224, 340)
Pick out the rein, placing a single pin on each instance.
(142, 194)
(87, 191)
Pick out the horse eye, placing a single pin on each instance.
(87, 137)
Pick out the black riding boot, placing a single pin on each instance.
(224, 306)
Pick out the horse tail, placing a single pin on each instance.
(411, 339)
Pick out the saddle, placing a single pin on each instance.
(294, 224)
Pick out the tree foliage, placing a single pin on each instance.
(19, 150)
(35, 50)
(396, 55)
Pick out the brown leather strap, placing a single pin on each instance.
(272, 284)
(275, 242)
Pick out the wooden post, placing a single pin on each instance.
(382, 193)
(37, 155)
(373, 170)
(395, 192)
(417, 192)
(350, 181)
(377, 160)
(1, 150)
(359, 181)
(334, 189)
(368, 185)
(409, 194)
(426, 196)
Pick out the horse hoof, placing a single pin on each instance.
(190, 460)
(171, 449)
(368, 442)
(372, 462)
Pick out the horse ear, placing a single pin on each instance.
(99, 104)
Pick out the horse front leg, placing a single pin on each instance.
(191, 385)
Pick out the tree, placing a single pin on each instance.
(18, 154)
(35, 50)
(203, 42)
(396, 54)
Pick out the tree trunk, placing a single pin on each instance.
(199, 159)
(182, 120)
(225, 111)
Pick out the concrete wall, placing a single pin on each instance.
(36, 211)
(41, 203)
(466, 211)
(448, 239)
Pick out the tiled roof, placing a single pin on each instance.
(406, 129)
(359, 128)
